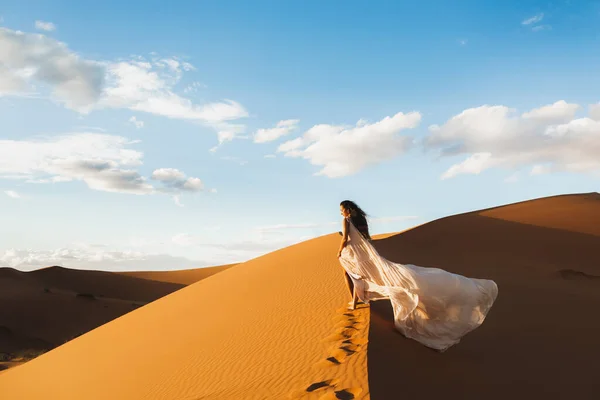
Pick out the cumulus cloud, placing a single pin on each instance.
(176, 181)
(282, 128)
(141, 86)
(343, 151)
(549, 138)
(85, 85)
(136, 122)
(594, 111)
(45, 26)
(27, 58)
(10, 83)
(167, 174)
(104, 162)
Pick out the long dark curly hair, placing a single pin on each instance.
(358, 217)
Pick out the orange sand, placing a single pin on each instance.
(183, 276)
(265, 328)
(40, 310)
(262, 329)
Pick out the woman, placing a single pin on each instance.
(351, 211)
(432, 306)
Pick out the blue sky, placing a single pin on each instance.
(134, 134)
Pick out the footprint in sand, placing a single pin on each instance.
(343, 394)
(347, 344)
(340, 353)
(345, 330)
(322, 385)
(348, 325)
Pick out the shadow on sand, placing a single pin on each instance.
(540, 340)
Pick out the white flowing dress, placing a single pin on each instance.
(431, 306)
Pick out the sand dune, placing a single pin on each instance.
(184, 276)
(262, 329)
(42, 309)
(273, 327)
(541, 337)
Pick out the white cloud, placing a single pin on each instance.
(553, 113)
(533, 20)
(93, 258)
(226, 132)
(140, 86)
(167, 174)
(343, 151)
(85, 85)
(176, 181)
(13, 194)
(594, 111)
(136, 122)
(104, 162)
(282, 128)
(540, 169)
(270, 156)
(31, 57)
(45, 26)
(493, 136)
(10, 83)
(194, 87)
(177, 200)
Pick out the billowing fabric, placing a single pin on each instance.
(431, 306)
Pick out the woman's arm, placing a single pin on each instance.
(344, 237)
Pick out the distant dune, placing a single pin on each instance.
(184, 276)
(42, 309)
(275, 328)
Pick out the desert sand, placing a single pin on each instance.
(275, 328)
(183, 276)
(42, 309)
